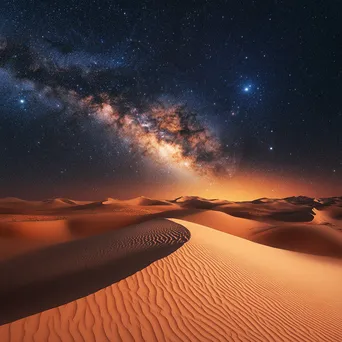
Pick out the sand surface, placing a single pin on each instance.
(216, 287)
(128, 274)
(77, 268)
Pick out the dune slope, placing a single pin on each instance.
(56, 275)
(304, 238)
(216, 287)
(224, 222)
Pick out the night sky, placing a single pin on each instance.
(126, 98)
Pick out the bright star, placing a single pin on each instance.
(271, 148)
(22, 101)
(246, 89)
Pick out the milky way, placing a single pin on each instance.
(169, 133)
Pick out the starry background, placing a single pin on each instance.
(264, 76)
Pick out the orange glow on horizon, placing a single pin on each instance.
(242, 187)
(238, 188)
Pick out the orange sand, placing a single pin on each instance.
(226, 283)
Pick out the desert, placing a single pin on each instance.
(186, 269)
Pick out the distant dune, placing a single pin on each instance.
(198, 202)
(311, 239)
(225, 223)
(188, 269)
(11, 200)
(61, 202)
(270, 210)
(138, 201)
(329, 215)
(11, 205)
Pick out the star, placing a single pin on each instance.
(247, 88)
(271, 148)
(22, 101)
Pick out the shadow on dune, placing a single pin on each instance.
(90, 225)
(57, 275)
(301, 215)
(293, 216)
(11, 211)
(302, 238)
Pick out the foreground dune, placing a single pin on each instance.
(216, 287)
(59, 274)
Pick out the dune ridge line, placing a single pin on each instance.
(53, 276)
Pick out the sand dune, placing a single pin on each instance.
(291, 209)
(269, 211)
(216, 287)
(330, 216)
(138, 201)
(225, 223)
(302, 200)
(198, 202)
(26, 232)
(59, 220)
(143, 201)
(14, 205)
(35, 230)
(92, 224)
(74, 260)
(62, 202)
(11, 200)
(20, 237)
(304, 238)
(330, 200)
(53, 276)
(11, 205)
(12, 247)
